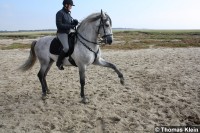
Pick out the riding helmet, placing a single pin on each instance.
(69, 2)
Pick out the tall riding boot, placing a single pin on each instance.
(59, 62)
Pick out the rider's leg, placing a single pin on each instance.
(63, 37)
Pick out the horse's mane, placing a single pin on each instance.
(91, 18)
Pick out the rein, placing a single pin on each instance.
(84, 38)
(95, 53)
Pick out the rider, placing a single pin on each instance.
(64, 23)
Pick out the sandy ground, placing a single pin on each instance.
(162, 88)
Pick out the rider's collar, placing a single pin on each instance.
(67, 11)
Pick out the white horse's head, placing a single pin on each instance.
(105, 28)
(97, 24)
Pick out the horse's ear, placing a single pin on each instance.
(102, 14)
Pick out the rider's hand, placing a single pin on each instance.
(75, 22)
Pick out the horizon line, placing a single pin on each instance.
(112, 28)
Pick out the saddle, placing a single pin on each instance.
(56, 47)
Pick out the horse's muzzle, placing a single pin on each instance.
(108, 39)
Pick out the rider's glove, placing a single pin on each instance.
(75, 22)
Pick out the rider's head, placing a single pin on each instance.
(68, 4)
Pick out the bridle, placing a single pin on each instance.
(102, 24)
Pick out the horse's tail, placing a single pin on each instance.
(31, 59)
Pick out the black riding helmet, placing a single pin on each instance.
(69, 2)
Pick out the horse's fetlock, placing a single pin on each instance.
(121, 76)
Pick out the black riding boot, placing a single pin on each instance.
(59, 62)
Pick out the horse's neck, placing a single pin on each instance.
(90, 35)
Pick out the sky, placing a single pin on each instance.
(138, 14)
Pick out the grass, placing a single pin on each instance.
(156, 38)
(25, 35)
(15, 46)
(126, 39)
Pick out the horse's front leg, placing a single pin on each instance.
(102, 62)
(82, 82)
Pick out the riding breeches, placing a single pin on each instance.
(63, 37)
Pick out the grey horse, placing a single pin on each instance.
(86, 51)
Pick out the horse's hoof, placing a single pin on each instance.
(122, 81)
(85, 100)
(44, 97)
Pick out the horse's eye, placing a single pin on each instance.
(107, 24)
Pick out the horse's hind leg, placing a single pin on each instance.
(42, 77)
(102, 62)
(47, 70)
(82, 82)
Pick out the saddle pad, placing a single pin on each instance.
(56, 46)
